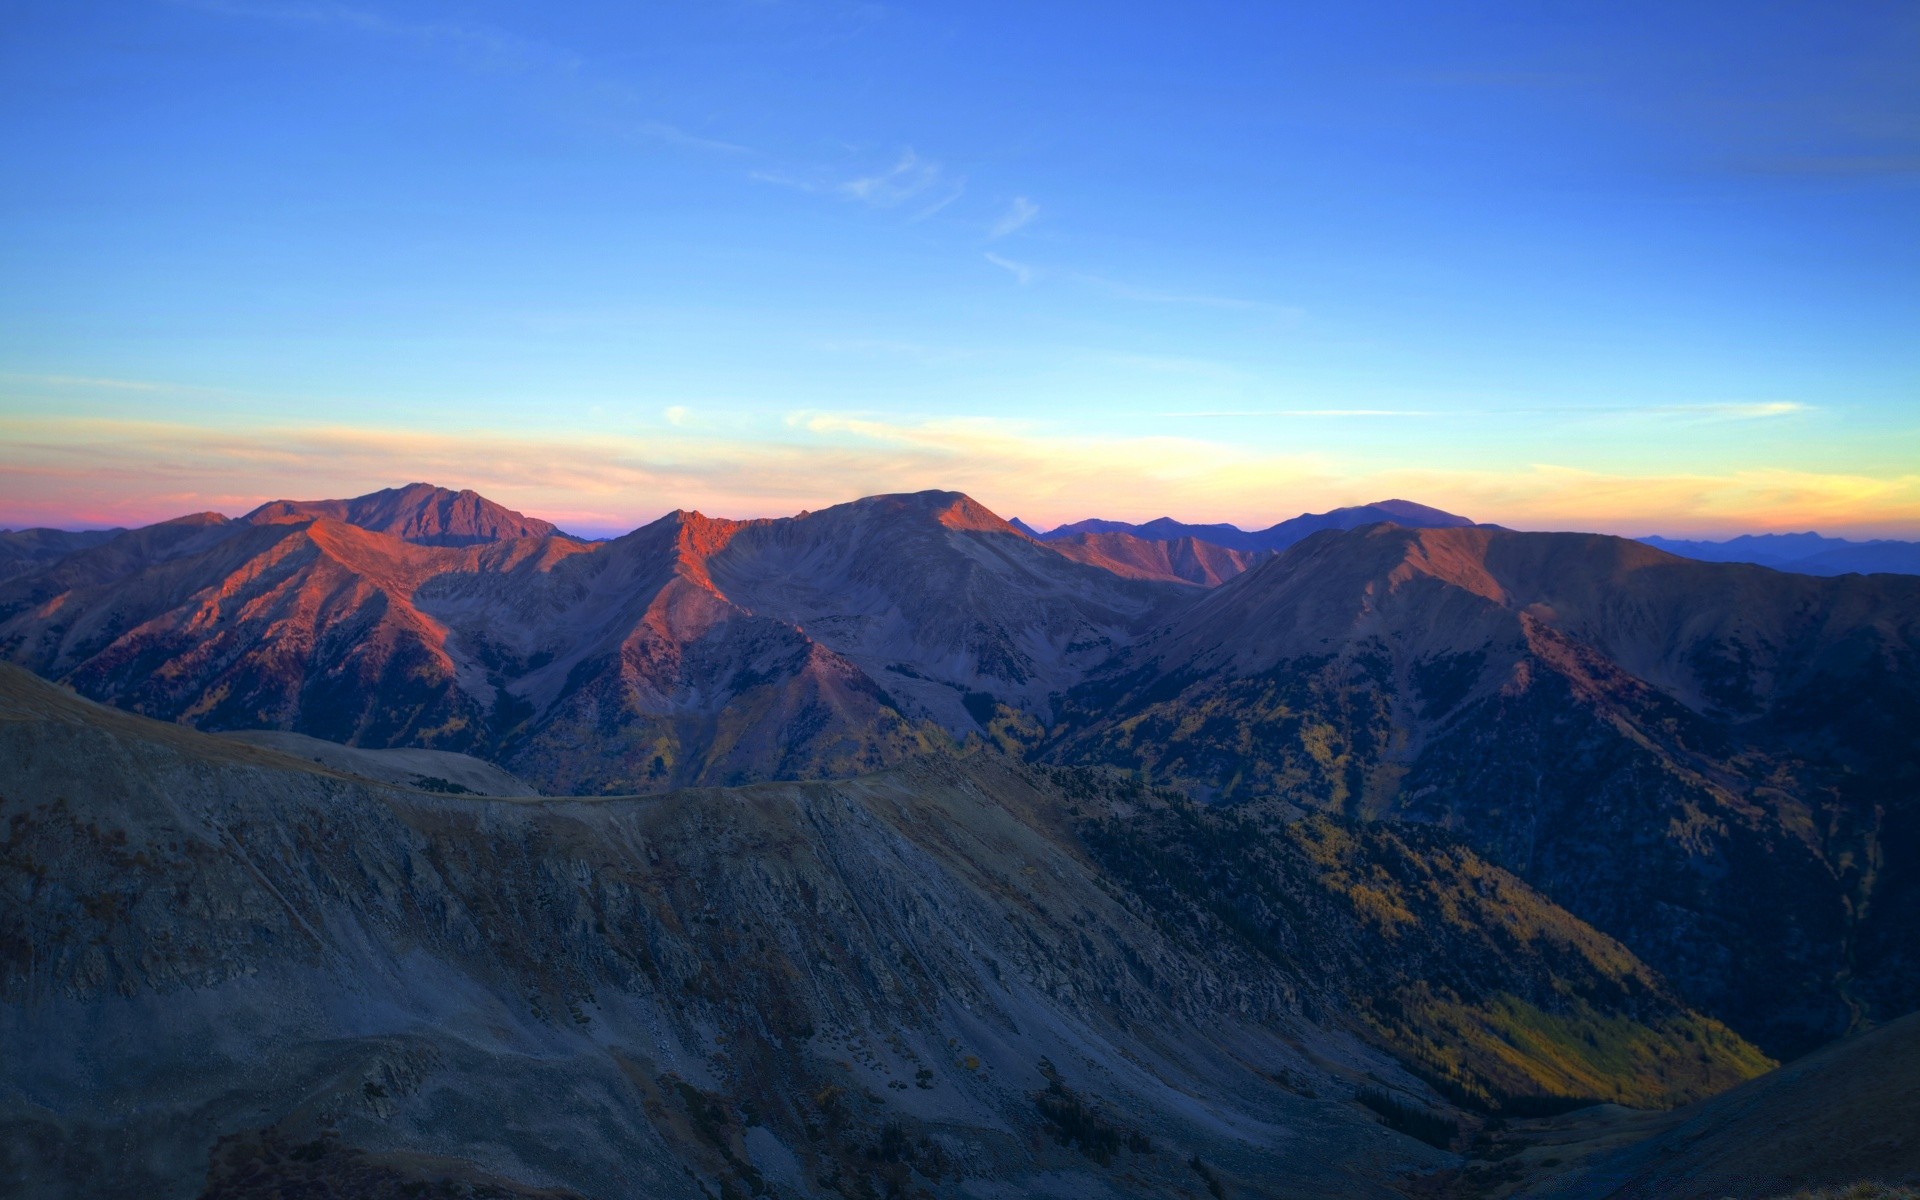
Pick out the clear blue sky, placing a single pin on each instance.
(1637, 267)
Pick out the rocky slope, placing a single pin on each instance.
(227, 969)
(1714, 763)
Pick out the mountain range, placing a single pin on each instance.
(1471, 819)
(1803, 553)
(1273, 538)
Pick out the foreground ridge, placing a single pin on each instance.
(954, 971)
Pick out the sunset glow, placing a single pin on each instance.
(1650, 275)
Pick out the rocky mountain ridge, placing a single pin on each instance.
(1272, 539)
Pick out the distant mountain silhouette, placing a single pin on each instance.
(1802, 553)
(24, 550)
(1272, 538)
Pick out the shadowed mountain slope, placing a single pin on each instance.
(215, 958)
(1849, 1112)
(23, 550)
(1712, 762)
(419, 512)
(1177, 560)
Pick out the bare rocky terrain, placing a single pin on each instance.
(219, 958)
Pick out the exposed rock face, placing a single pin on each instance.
(1701, 759)
(225, 967)
(419, 513)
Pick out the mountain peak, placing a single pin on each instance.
(1409, 513)
(964, 512)
(950, 510)
(422, 513)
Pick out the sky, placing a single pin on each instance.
(1628, 267)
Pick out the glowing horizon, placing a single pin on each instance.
(98, 473)
(1641, 271)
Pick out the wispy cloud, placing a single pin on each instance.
(909, 176)
(58, 470)
(1690, 413)
(90, 382)
(1019, 214)
(1309, 412)
(1743, 412)
(1020, 271)
(1681, 414)
(919, 352)
(908, 179)
(1152, 295)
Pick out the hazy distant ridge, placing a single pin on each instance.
(1802, 553)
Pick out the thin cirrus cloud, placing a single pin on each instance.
(1020, 213)
(1026, 273)
(57, 470)
(1688, 413)
(1303, 412)
(909, 177)
(909, 180)
(1021, 272)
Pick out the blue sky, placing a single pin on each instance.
(1629, 267)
